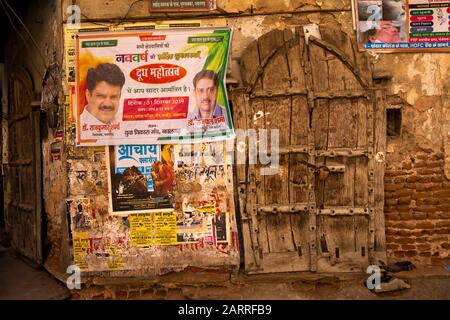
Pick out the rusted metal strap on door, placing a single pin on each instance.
(288, 208)
(286, 45)
(342, 56)
(345, 152)
(288, 92)
(343, 211)
(370, 173)
(251, 201)
(311, 152)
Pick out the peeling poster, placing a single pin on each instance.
(141, 230)
(80, 249)
(165, 228)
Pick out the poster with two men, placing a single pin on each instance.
(152, 87)
(138, 92)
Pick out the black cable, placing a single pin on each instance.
(17, 31)
(120, 20)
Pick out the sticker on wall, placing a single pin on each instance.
(80, 249)
(403, 25)
(163, 85)
(141, 178)
(141, 229)
(165, 228)
(56, 150)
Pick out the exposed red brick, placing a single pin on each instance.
(444, 200)
(408, 247)
(441, 194)
(406, 165)
(392, 187)
(390, 202)
(419, 233)
(403, 193)
(399, 254)
(427, 171)
(424, 225)
(443, 207)
(397, 180)
(390, 239)
(426, 208)
(404, 200)
(437, 178)
(422, 240)
(391, 231)
(443, 231)
(426, 185)
(405, 225)
(430, 201)
(423, 247)
(445, 223)
(429, 164)
(406, 215)
(403, 208)
(392, 246)
(412, 179)
(445, 245)
(420, 195)
(411, 253)
(419, 215)
(394, 173)
(425, 254)
(438, 156)
(411, 186)
(392, 216)
(404, 233)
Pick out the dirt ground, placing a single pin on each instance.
(21, 280)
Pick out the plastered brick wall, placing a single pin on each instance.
(417, 209)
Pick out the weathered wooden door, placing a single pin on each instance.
(23, 195)
(323, 209)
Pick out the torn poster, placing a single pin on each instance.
(140, 178)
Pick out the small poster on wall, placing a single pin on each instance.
(403, 25)
(152, 86)
(141, 178)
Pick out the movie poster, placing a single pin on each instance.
(141, 178)
(152, 86)
(403, 25)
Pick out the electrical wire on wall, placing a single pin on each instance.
(121, 20)
(5, 2)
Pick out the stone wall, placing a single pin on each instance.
(417, 186)
(44, 20)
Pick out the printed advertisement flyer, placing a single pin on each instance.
(403, 25)
(152, 86)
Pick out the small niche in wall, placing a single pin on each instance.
(394, 121)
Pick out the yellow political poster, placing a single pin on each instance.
(141, 234)
(80, 248)
(165, 228)
(69, 47)
(115, 260)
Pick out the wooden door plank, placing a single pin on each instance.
(339, 187)
(257, 118)
(379, 169)
(298, 178)
(249, 64)
(319, 68)
(320, 124)
(342, 124)
(361, 237)
(300, 121)
(277, 111)
(296, 70)
(361, 182)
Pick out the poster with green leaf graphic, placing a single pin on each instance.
(152, 86)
